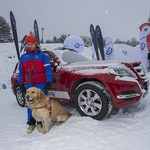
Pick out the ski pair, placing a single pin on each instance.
(14, 31)
(97, 40)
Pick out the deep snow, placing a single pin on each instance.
(128, 130)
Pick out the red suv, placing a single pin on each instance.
(94, 87)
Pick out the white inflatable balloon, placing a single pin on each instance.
(144, 49)
(74, 42)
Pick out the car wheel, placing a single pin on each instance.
(20, 96)
(92, 99)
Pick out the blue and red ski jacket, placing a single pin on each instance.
(34, 68)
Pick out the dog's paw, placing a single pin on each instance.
(44, 132)
(59, 123)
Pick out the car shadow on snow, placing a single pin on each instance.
(126, 112)
(130, 111)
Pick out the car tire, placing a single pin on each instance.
(20, 97)
(92, 99)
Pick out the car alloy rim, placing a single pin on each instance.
(89, 102)
(20, 97)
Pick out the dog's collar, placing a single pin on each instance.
(47, 106)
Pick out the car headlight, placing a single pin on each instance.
(121, 71)
(143, 71)
(140, 70)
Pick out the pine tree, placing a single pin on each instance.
(61, 38)
(54, 39)
(5, 31)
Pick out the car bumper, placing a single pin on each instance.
(125, 93)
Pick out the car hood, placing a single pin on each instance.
(93, 64)
(91, 67)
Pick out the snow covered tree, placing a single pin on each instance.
(54, 39)
(61, 38)
(133, 42)
(5, 31)
(87, 40)
(48, 41)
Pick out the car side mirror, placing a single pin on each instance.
(54, 64)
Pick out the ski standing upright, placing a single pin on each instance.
(36, 31)
(100, 42)
(93, 35)
(97, 40)
(14, 31)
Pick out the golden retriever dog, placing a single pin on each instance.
(44, 109)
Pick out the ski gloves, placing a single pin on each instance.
(47, 86)
(22, 88)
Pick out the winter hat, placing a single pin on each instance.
(30, 39)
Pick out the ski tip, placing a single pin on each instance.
(11, 13)
(91, 25)
(35, 21)
(91, 28)
(98, 27)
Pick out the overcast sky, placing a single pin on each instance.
(117, 18)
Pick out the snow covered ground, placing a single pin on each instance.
(128, 130)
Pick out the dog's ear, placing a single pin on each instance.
(40, 93)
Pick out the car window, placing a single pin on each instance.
(70, 56)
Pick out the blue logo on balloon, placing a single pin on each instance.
(124, 52)
(142, 46)
(77, 45)
(109, 51)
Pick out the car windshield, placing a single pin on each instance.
(67, 56)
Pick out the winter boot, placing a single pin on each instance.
(30, 129)
(40, 127)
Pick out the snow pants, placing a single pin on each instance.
(30, 119)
